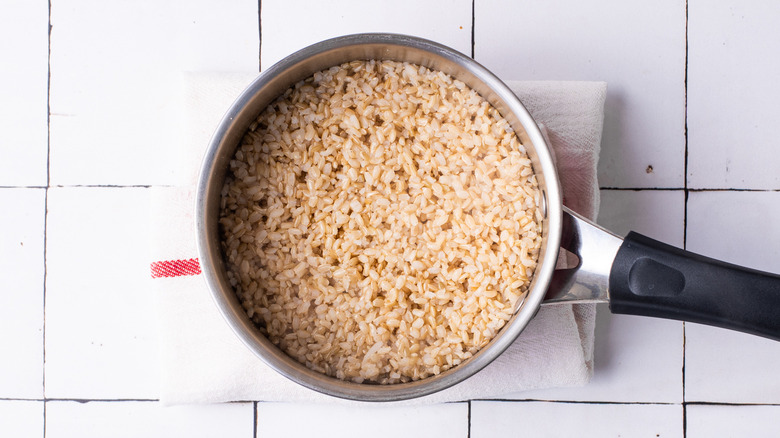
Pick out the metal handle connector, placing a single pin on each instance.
(596, 248)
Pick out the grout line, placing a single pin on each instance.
(687, 190)
(104, 400)
(684, 403)
(473, 20)
(254, 415)
(256, 403)
(43, 322)
(259, 35)
(730, 190)
(468, 420)
(21, 399)
(25, 187)
(46, 210)
(703, 403)
(685, 211)
(642, 189)
(578, 402)
(48, 103)
(685, 134)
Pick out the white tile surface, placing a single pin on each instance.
(732, 94)
(732, 421)
(444, 21)
(730, 367)
(23, 90)
(637, 48)
(493, 419)
(721, 365)
(116, 71)
(101, 327)
(21, 418)
(737, 227)
(21, 294)
(444, 420)
(115, 81)
(659, 214)
(147, 419)
(637, 359)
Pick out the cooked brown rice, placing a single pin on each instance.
(380, 222)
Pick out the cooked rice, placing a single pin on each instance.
(380, 222)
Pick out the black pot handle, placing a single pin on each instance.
(650, 278)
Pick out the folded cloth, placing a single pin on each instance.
(204, 362)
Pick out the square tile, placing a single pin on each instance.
(21, 418)
(737, 227)
(730, 367)
(147, 419)
(24, 26)
(659, 214)
(444, 21)
(732, 89)
(721, 365)
(637, 48)
(549, 419)
(636, 359)
(117, 121)
(714, 421)
(21, 296)
(101, 321)
(444, 420)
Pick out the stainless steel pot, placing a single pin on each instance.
(637, 276)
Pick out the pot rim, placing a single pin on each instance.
(266, 87)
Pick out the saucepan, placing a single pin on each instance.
(635, 275)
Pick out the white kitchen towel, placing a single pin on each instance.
(204, 362)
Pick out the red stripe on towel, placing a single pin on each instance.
(175, 268)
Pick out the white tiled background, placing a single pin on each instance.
(87, 104)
